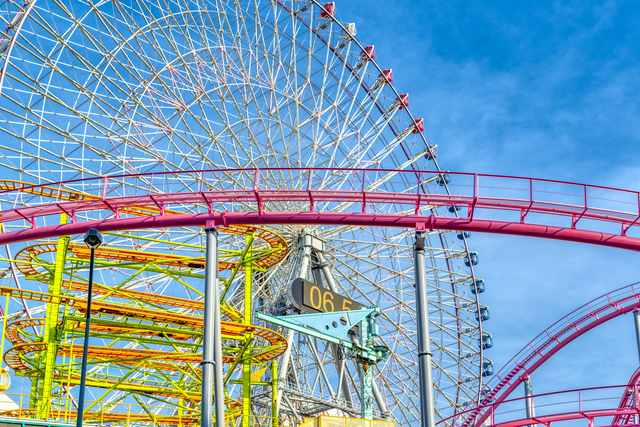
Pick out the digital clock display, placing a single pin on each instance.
(324, 300)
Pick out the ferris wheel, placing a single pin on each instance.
(90, 89)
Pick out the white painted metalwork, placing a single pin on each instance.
(106, 88)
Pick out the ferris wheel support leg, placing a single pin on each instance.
(384, 412)
(283, 369)
(427, 413)
(303, 262)
(212, 339)
(317, 270)
(323, 266)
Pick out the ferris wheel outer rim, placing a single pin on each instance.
(16, 35)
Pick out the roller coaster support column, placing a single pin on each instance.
(248, 336)
(274, 393)
(636, 320)
(212, 338)
(93, 239)
(366, 375)
(427, 413)
(528, 392)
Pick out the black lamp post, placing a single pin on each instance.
(92, 239)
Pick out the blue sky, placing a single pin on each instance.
(543, 89)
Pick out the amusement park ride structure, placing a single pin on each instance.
(32, 357)
(280, 240)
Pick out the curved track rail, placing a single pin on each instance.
(12, 357)
(629, 400)
(548, 343)
(365, 203)
(116, 418)
(15, 356)
(587, 404)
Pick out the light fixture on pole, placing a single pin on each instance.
(93, 239)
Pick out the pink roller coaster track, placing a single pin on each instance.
(588, 404)
(379, 197)
(629, 400)
(549, 342)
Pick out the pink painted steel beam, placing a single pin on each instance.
(326, 218)
(366, 197)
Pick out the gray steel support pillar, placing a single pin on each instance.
(427, 413)
(324, 266)
(305, 258)
(528, 392)
(636, 320)
(316, 270)
(212, 338)
(382, 406)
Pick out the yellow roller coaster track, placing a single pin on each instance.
(277, 341)
(185, 419)
(274, 240)
(108, 416)
(13, 330)
(15, 360)
(15, 357)
(27, 268)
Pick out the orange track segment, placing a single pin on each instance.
(228, 328)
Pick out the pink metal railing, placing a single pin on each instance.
(489, 200)
(550, 341)
(586, 403)
(471, 191)
(629, 399)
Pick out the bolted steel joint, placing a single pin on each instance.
(420, 238)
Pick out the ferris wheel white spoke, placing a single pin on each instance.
(159, 86)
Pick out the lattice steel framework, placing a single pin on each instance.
(97, 88)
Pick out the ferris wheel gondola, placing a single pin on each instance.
(106, 88)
